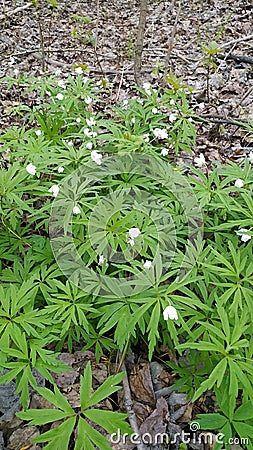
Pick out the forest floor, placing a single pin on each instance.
(100, 35)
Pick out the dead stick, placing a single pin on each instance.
(15, 11)
(129, 409)
(139, 41)
(235, 41)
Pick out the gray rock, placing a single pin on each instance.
(9, 403)
(22, 437)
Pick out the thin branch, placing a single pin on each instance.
(243, 98)
(236, 41)
(240, 58)
(129, 408)
(14, 11)
(220, 119)
(171, 42)
(139, 41)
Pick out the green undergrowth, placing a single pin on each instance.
(113, 253)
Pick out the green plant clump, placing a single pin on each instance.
(105, 240)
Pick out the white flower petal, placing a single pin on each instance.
(239, 183)
(164, 152)
(172, 117)
(134, 233)
(96, 157)
(90, 122)
(170, 313)
(76, 210)
(60, 96)
(160, 133)
(200, 160)
(54, 190)
(31, 169)
(147, 264)
(78, 70)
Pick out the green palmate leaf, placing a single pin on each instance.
(243, 429)
(58, 437)
(87, 436)
(211, 421)
(57, 399)
(153, 335)
(215, 376)
(106, 389)
(41, 416)
(244, 412)
(109, 420)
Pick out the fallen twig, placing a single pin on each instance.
(236, 41)
(241, 58)
(15, 11)
(129, 409)
(220, 119)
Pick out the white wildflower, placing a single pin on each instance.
(88, 100)
(78, 70)
(76, 210)
(31, 169)
(146, 87)
(131, 242)
(164, 152)
(60, 96)
(244, 237)
(70, 143)
(60, 169)
(172, 102)
(160, 133)
(90, 122)
(239, 183)
(87, 132)
(146, 137)
(154, 110)
(101, 260)
(94, 134)
(134, 233)
(78, 119)
(54, 190)
(96, 157)
(61, 84)
(200, 160)
(147, 264)
(189, 119)
(172, 117)
(89, 145)
(170, 313)
(38, 132)
(133, 120)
